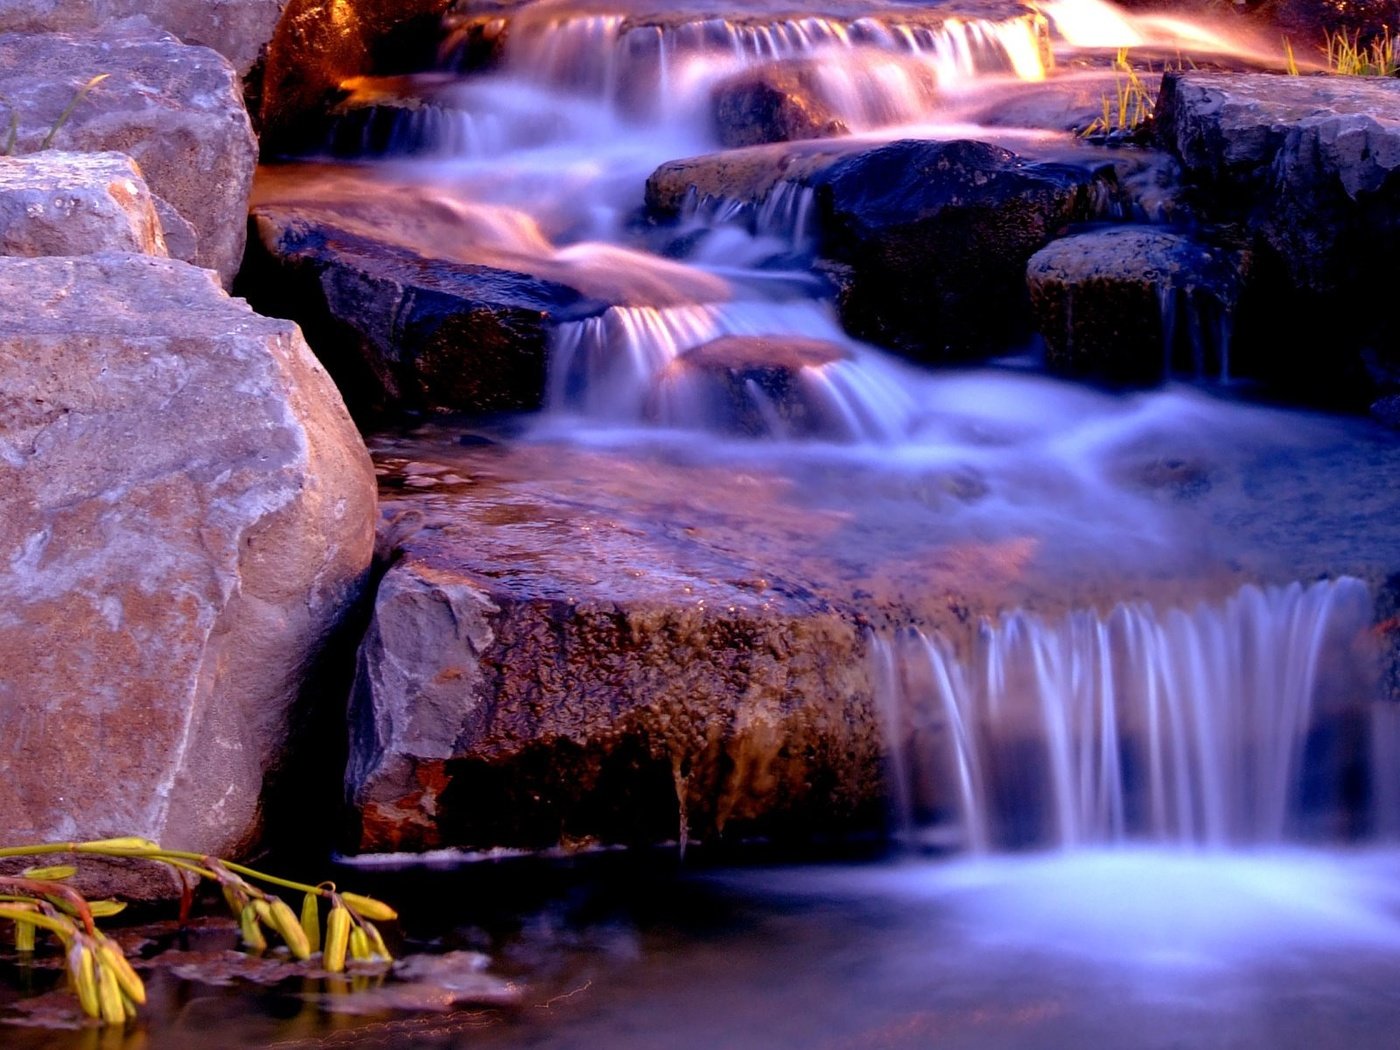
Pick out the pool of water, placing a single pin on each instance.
(1137, 947)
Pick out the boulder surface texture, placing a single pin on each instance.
(186, 512)
(176, 110)
(55, 203)
(237, 29)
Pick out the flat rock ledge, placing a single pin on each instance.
(174, 109)
(187, 515)
(55, 203)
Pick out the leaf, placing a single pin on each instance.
(81, 94)
(51, 873)
(105, 909)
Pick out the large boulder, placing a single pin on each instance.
(76, 204)
(237, 29)
(176, 110)
(187, 517)
(936, 236)
(1311, 167)
(1135, 303)
(544, 666)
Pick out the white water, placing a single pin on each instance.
(1181, 726)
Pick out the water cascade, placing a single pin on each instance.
(1248, 722)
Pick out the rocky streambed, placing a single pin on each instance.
(746, 324)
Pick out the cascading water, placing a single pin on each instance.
(1251, 721)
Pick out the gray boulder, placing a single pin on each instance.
(76, 204)
(187, 514)
(175, 110)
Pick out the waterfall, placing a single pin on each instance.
(1245, 722)
(640, 365)
(649, 66)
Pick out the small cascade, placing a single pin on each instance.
(785, 216)
(648, 66)
(1246, 722)
(633, 365)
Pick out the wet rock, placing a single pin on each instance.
(403, 330)
(777, 102)
(1311, 166)
(937, 236)
(486, 715)
(755, 385)
(742, 176)
(56, 203)
(1134, 303)
(175, 110)
(188, 514)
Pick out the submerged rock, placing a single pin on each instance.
(778, 102)
(188, 515)
(56, 203)
(1135, 303)
(175, 110)
(762, 386)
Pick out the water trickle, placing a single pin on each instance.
(629, 366)
(1250, 721)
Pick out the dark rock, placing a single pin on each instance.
(1310, 21)
(1131, 303)
(937, 235)
(321, 43)
(1311, 167)
(401, 330)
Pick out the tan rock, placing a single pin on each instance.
(237, 29)
(75, 204)
(186, 513)
(175, 110)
